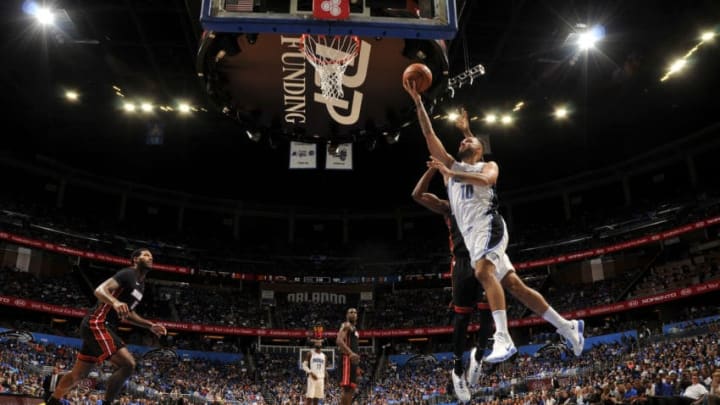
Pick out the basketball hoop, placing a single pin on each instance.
(330, 55)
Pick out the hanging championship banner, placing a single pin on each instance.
(339, 157)
(303, 155)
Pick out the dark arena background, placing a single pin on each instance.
(198, 129)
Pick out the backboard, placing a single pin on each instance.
(419, 19)
(264, 82)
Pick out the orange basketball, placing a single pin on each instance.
(420, 74)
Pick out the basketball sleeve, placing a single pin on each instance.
(125, 278)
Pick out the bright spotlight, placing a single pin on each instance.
(452, 116)
(678, 65)
(589, 38)
(146, 107)
(71, 95)
(491, 118)
(129, 107)
(707, 36)
(44, 16)
(506, 119)
(184, 108)
(561, 113)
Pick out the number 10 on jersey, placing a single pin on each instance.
(466, 191)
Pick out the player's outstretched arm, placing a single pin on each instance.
(463, 124)
(487, 177)
(429, 200)
(436, 148)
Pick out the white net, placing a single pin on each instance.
(330, 56)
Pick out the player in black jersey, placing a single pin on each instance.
(117, 297)
(347, 342)
(467, 291)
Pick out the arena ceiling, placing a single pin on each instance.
(147, 48)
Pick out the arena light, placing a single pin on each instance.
(452, 116)
(184, 108)
(506, 119)
(72, 95)
(491, 119)
(588, 39)
(45, 16)
(146, 107)
(129, 107)
(519, 106)
(561, 112)
(679, 64)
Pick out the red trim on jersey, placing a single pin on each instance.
(96, 325)
(483, 305)
(345, 371)
(86, 358)
(462, 310)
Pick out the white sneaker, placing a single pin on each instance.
(573, 335)
(503, 348)
(475, 370)
(462, 392)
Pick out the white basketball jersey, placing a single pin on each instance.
(317, 363)
(469, 202)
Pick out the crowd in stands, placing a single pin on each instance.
(392, 308)
(201, 250)
(592, 294)
(411, 308)
(679, 274)
(61, 290)
(622, 372)
(301, 315)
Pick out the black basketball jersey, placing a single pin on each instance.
(455, 238)
(130, 292)
(352, 338)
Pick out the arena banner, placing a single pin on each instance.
(423, 331)
(101, 257)
(586, 254)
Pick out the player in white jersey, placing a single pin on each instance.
(473, 201)
(315, 365)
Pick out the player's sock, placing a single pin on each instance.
(500, 318)
(555, 319)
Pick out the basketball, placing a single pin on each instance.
(420, 74)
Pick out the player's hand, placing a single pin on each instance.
(313, 376)
(409, 86)
(436, 164)
(122, 309)
(354, 358)
(158, 329)
(462, 122)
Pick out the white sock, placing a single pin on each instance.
(555, 319)
(500, 318)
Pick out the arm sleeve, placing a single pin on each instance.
(124, 278)
(305, 366)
